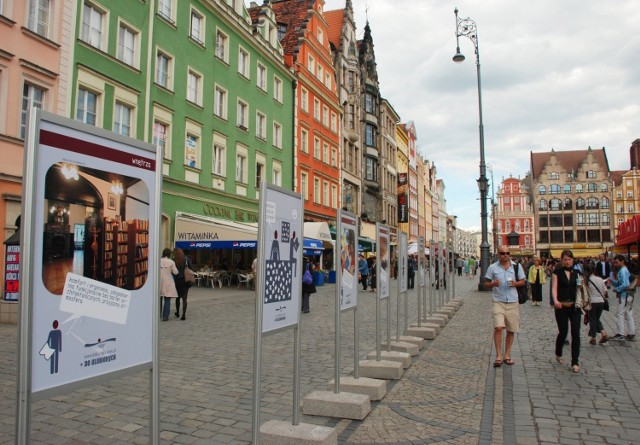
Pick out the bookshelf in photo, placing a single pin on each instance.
(138, 252)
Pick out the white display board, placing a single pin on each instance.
(92, 272)
(403, 262)
(382, 253)
(281, 236)
(347, 230)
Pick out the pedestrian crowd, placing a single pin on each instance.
(579, 293)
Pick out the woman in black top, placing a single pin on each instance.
(181, 285)
(564, 289)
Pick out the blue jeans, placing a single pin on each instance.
(166, 308)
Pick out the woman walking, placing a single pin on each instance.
(564, 291)
(597, 290)
(307, 289)
(182, 287)
(536, 278)
(466, 266)
(167, 285)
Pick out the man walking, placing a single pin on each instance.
(603, 268)
(624, 311)
(459, 265)
(363, 268)
(506, 310)
(411, 272)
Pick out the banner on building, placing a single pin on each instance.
(403, 208)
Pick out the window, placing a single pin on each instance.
(604, 187)
(371, 135)
(605, 219)
(277, 89)
(327, 80)
(262, 77)
(122, 119)
(191, 150)
(592, 188)
(370, 103)
(629, 194)
(165, 9)
(92, 24)
(320, 36)
(554, 175)
(241, 167)
(334, 196)
(316, 109)
(277, 174)
(243, 63)
(554, 204)
(591, 174)
(334, 122)
(568, 204)
(259, 173)
(554, 189)
(196, 32)
(579, 188)
(304, 141)
(311, 65)
(543, 204)
(161, 137)
(220, 102)
(351, 81)
(371, 169)
(542, 190)
(592, 203)
(320, 73)
(277, 135)
(304, 184)
(38, 20)
(325, 116)
(351, 117)
(334, 157)
(127, 41)
(316, 148)
(87, 107)
(222, 46)
(261, 125)
(619, 194)
(316, 190)
(282, 31)
(567, 188)
(243, 115)
(31, 96)
(580, 203)
(325, 193)
(630, 208)
(219, 157)
(304, 100)
(526, 224)
(604, 203)
(325, 153)
(164, 70)
(194, 88)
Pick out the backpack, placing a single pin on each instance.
(523, 295)
(307, 278)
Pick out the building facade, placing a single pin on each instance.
(514, 218)
(402, 152)
(410, 130)
(388, 168)
(571, 194)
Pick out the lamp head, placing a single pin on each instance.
(459, 57)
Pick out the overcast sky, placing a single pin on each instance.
(555, 74)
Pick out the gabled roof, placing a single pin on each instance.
(294, 14)
(570, 160)
(335, 20)
(616, 177)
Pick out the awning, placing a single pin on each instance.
(319, 231)
(578, 253)
(201, 232)
(312, 246)
(366, 244)
(629, 231)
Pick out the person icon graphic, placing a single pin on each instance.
(54, 342)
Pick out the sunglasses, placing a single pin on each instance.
(504, 253)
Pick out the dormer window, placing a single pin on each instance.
(282, 31)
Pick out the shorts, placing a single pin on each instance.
(506, 315)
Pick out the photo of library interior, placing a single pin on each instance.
(96, 225)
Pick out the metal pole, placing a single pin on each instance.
(378, 315)
(399, 295)
(296, 374)
(338, 288)
(356, 340)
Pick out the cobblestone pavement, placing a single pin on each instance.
(451, 394)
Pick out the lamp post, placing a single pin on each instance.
(467, 28)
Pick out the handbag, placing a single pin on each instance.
(189, 276)
(307, 278)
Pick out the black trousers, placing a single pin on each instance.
(595, 325)
(536, 292)
(363, 280)
(564, 317)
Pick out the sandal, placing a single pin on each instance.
(497, 363)
(508, 361)
(559, 360)
(575, 368)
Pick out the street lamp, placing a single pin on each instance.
(467, 28)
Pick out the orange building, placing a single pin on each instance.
(304, 36)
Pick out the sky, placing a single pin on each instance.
(555, 74)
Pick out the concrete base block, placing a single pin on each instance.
(443, 311)
(455, 303)
(343, 405)
(459, 301)
(430, 325)
(423, 331)
(276, 432)
(392, 356)
(450, 305)
(418, 341)
(440, 320)
(383, 369)
(374, 388)
(402, 346)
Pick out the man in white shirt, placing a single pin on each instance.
(502, 278)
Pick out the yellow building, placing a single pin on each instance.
(420, 172)
(626, 196)
(402, 154)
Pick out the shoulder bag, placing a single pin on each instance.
(605, 296)
(523, 295)
(189, 276)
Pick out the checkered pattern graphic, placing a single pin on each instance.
(278, 280)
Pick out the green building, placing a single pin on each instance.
(205, 84)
